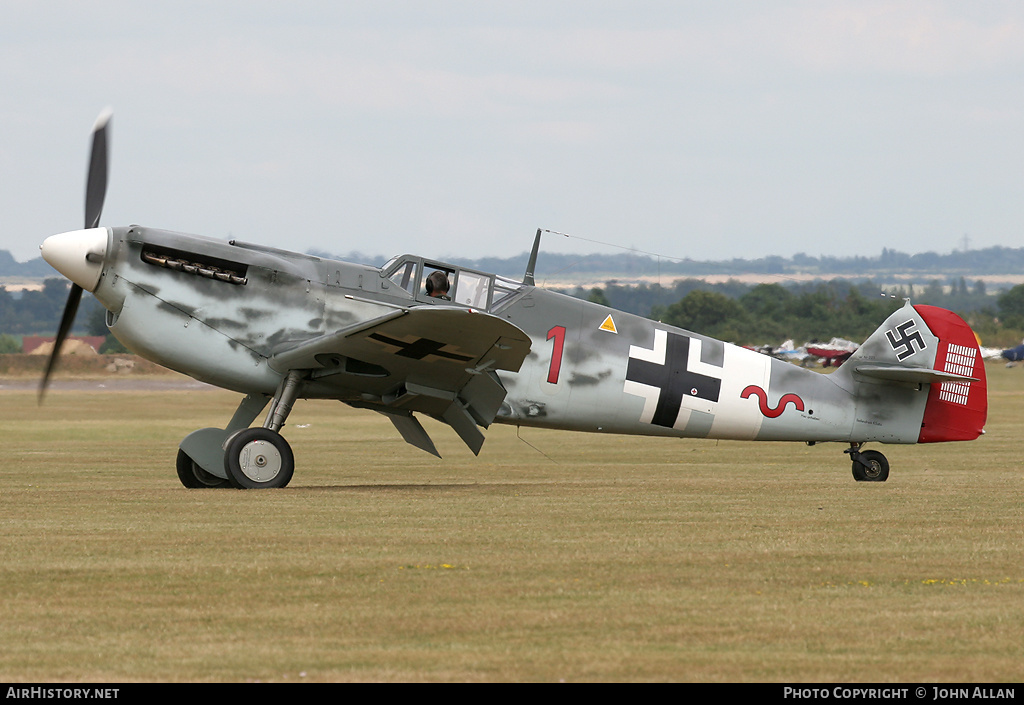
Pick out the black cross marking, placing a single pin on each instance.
(673, 379)
(419, 349)
(905, 341)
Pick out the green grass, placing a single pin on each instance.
(581, 558)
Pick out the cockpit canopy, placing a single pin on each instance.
(466, 287)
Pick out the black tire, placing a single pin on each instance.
(258, 458)
(870, 466)
(194, 477)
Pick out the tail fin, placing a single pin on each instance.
(956, 410)
(930, 349)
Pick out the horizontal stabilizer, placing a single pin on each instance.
(913, 375)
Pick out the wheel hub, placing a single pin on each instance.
(873, 469)
(260, 461)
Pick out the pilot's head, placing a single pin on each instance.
(437, 285)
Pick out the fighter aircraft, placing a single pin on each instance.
(420, 336)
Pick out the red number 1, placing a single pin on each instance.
(558, 333)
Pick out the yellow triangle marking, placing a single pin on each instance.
(608, 325)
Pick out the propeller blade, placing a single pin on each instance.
(70, 309)
(96, 186)
(95, 193)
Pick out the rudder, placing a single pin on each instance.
(956, 410)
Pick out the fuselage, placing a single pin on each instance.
(219, 312)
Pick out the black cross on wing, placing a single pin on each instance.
(419, 348)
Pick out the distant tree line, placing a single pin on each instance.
(768, 314)
(969, 263)
(34, 268)
(38, 312)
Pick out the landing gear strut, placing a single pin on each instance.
(868, 465)
(258, 458)
(240, 456)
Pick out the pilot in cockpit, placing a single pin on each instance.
(437, 286)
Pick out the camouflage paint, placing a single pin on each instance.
(583, 367)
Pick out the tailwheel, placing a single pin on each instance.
(194, 477)
(870, 466)
(258, 458)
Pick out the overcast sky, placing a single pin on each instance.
(692, 129)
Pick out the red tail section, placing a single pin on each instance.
(956, 411)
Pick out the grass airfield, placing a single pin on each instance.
(553, 556)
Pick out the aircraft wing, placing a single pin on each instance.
(430, 359)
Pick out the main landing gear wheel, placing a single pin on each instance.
(194, 477)
(259, 458)
(870, 466)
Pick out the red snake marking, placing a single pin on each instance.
(762, 401)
